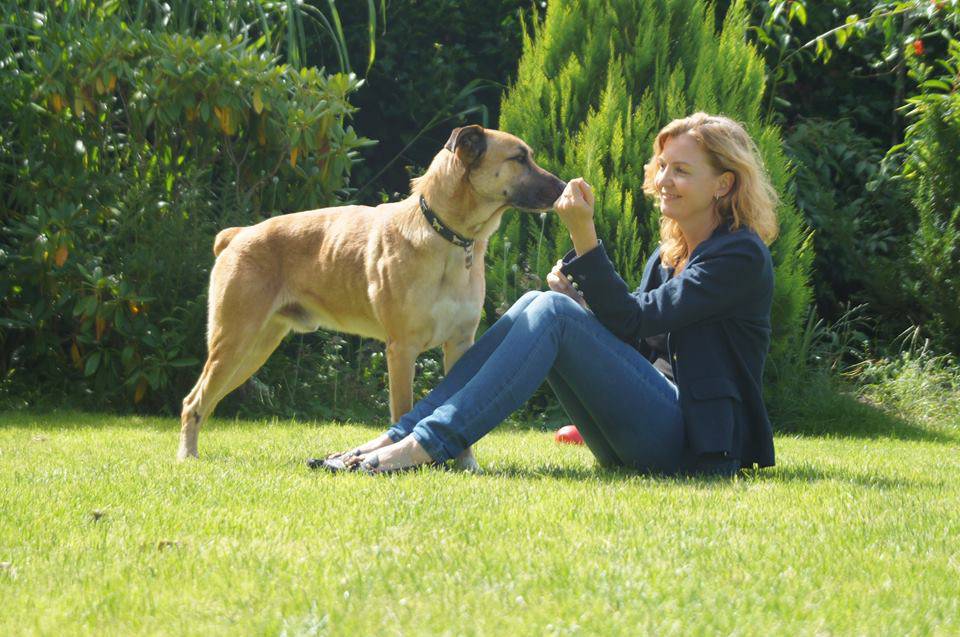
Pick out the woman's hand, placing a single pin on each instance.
(575, 208)
(559, 283)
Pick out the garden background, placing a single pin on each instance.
(132, 131)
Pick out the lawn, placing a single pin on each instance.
(103, 533)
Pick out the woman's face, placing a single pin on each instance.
(686, 182)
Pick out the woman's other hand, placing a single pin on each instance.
(559, 283)
(575, 208)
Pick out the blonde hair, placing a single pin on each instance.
(751, 201)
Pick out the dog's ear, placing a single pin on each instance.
(468, 144)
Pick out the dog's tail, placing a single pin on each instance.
(223, 240)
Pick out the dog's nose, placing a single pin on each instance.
(560, 186)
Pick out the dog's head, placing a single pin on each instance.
(501, 169)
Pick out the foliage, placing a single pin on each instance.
(860, 215)
(858, 204)
(596, 81)
(932, 167)
(126, 148)
(916, 383)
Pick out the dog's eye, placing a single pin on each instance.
(520, 159)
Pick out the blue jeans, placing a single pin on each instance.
(627, 412)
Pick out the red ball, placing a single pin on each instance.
(568, 435)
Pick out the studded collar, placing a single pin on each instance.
(444, 231)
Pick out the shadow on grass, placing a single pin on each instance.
(51, 419)
(809, 474)
(779, 474)
(819, 408)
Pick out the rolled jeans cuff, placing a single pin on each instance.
(432, 444)
(396, 434)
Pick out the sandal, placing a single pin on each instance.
(334, 461)
(336, 464)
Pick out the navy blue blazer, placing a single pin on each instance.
(716, 314)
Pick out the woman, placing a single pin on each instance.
(666, 379)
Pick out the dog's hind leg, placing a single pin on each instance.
(229, 367)
(240, 330)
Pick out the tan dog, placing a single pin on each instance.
(383, 272)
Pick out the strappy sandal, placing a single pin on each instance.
(334, 462)
(369, 466)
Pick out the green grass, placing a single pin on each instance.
(855, 535)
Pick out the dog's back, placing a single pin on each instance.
(223, 239)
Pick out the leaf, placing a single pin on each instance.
(140, 391)
(293, 156)
(257, 101)
(93, 362)
(184, 362)
(801, 13)
(842, 37)
(60, 256)
(936, 84)
(75, 356)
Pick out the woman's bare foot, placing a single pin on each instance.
(380, 441)
(338, 459)
(401, 455)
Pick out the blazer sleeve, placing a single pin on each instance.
(714, 282)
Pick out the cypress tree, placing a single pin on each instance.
(596, 82)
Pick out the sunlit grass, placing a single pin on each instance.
(102, 532)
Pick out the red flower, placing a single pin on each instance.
(918, 47)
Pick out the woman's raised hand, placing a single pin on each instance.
(575, 208)
(559, 283)
(575, 204)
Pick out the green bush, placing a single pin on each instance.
(126, 148)
(597, 80)
(932, 167)
(860, 214)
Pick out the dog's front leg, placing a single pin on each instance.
(452, 351)
(401, 360)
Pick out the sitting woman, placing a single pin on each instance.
(666, 379)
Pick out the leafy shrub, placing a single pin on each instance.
(860, 215)
(932, 167)
(126, 149)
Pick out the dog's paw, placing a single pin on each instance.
(186, 454)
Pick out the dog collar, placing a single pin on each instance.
(456, 239)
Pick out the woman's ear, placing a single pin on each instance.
(725, 184)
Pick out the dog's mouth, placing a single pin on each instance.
(538, 196)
